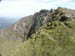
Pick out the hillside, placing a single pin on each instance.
(55, 39)
(46, 33)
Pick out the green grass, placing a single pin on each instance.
(55, 39)
(7, 45)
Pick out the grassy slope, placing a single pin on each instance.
(6, 46)
(55, 39)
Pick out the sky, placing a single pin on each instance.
(22, 8)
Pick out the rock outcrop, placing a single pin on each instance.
(31, 24)
(25, 27)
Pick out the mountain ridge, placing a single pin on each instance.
(55, 38)
(28, 26)
(34, 22)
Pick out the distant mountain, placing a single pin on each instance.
(5, 22)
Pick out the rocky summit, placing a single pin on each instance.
(46, 33)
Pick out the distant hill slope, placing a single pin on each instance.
(5, 22)
(56, 21)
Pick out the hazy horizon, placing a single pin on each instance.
(20, 8)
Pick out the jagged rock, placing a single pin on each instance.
(25, 27)
(31, 24)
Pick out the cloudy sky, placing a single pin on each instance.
(21, 8)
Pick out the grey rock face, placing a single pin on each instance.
(25, 27)
(31, 24)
